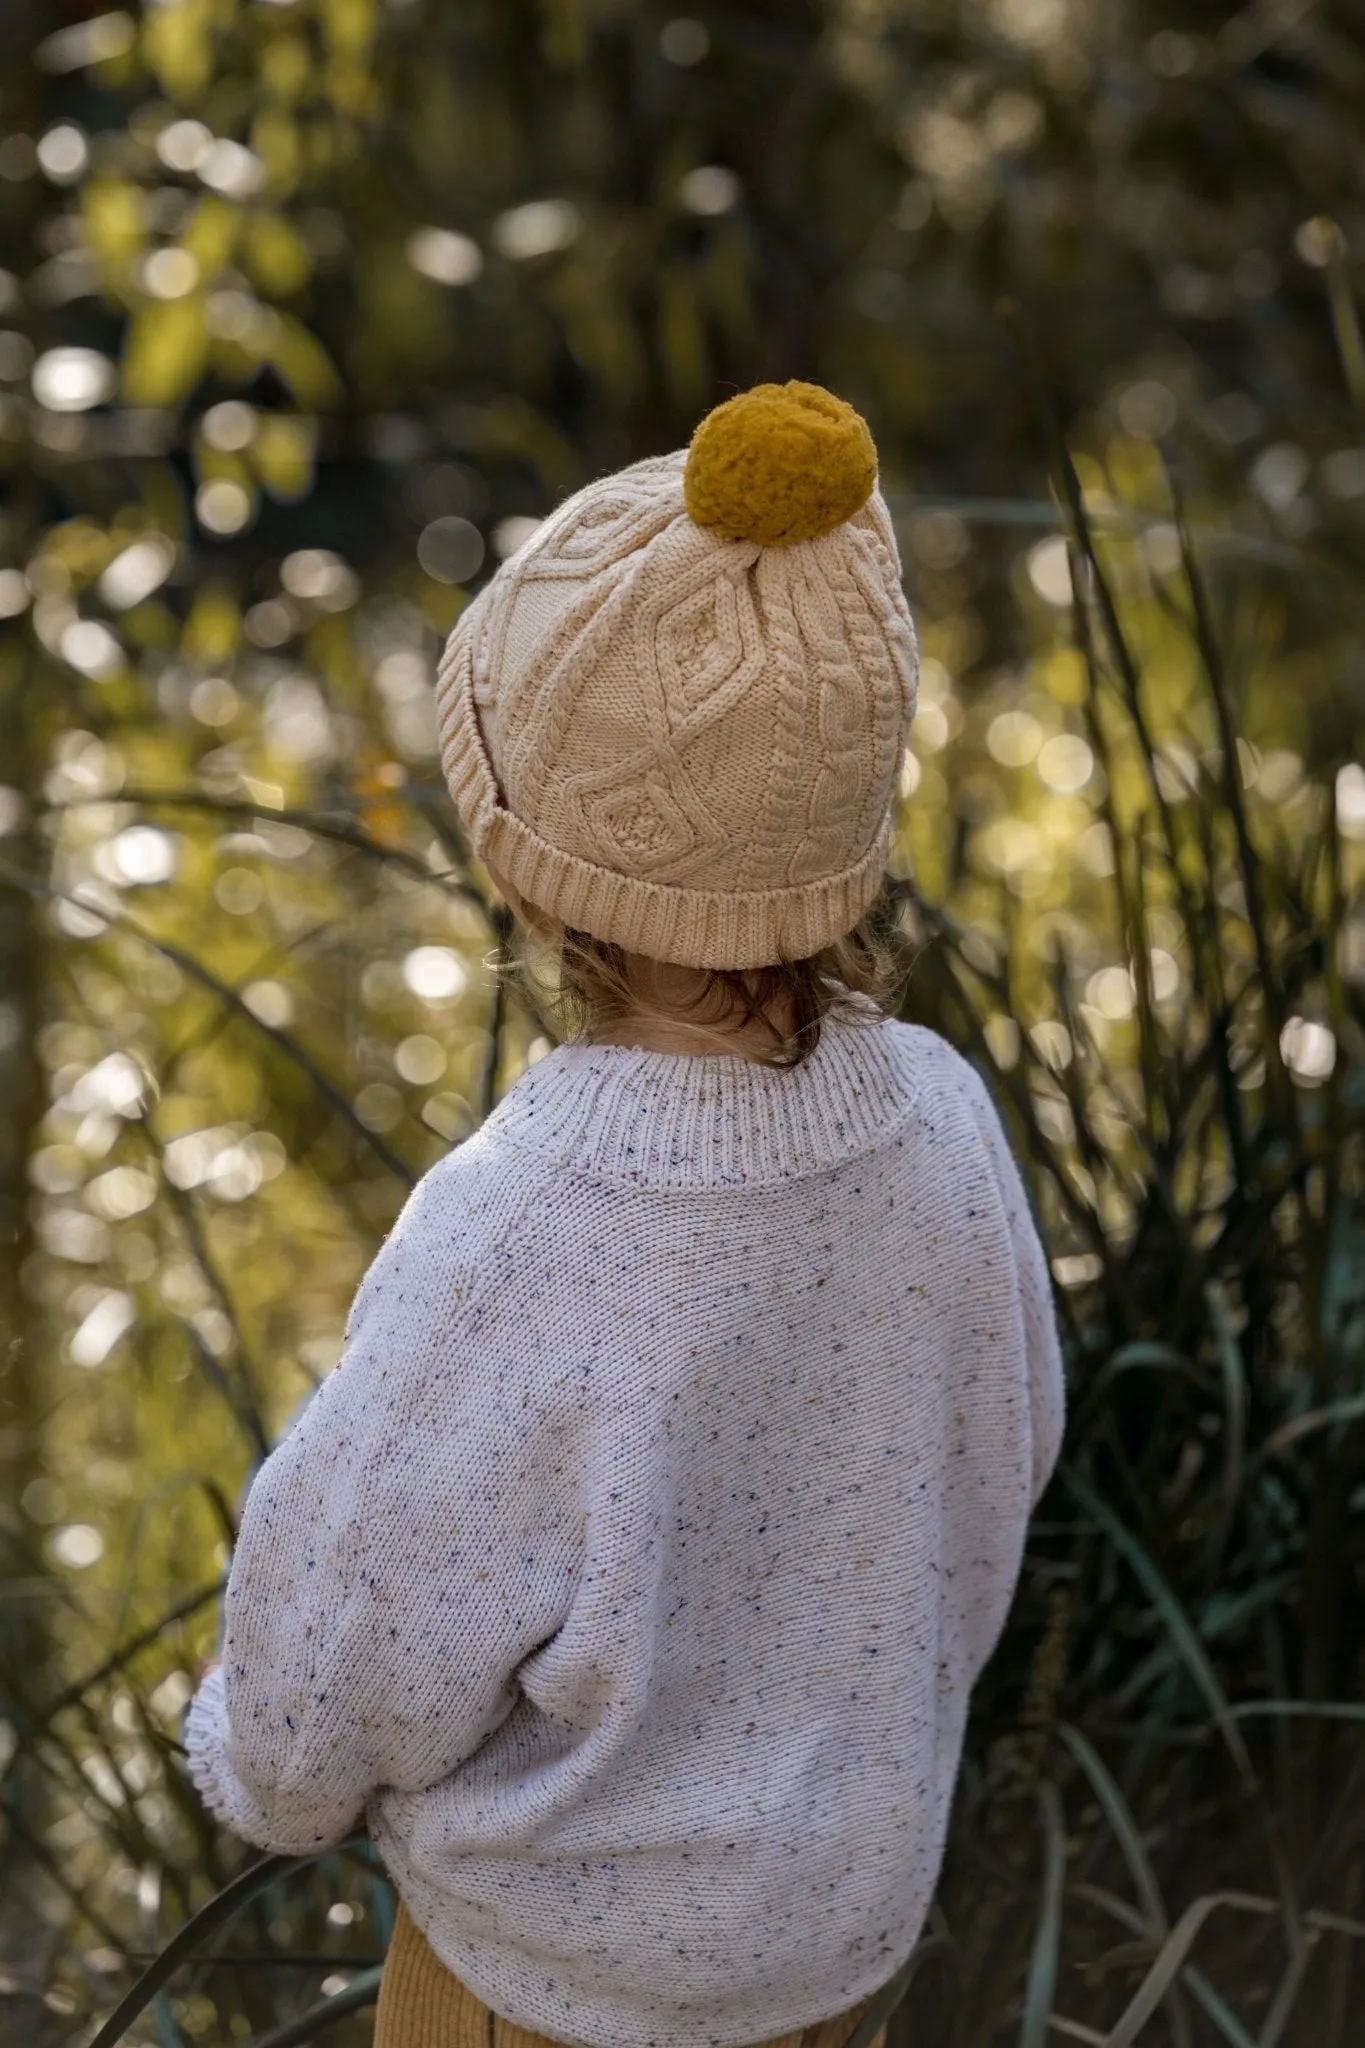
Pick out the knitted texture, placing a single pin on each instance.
(422, 2004)
(778, 464)
(630, 1574)
(687, 744)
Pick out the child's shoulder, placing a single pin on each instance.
(471, 1194)
(448, 1245)
(936, 1062)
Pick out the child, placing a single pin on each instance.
(629, 1576)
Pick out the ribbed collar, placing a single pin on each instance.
(683, 1120)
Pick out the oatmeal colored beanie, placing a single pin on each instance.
(674, 718)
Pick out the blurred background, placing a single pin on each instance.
(309, 310)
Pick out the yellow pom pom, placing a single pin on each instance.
(778, 464)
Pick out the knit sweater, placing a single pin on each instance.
(629, 1575)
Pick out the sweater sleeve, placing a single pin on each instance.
(401, 1552)
(1047, 1387)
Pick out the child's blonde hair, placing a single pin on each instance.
(584, 985)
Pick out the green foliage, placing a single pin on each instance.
(309, 308)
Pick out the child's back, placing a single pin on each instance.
(711, 1401)
(633, 1570)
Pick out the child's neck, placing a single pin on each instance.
(664, 1023)
(653, 1035)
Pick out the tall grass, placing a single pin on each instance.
(1159, 1823)
(1168, 1842)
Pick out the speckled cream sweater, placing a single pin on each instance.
(629, 1575)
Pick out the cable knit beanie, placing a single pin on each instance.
(674, 718)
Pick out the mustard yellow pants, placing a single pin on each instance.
(422, 2005)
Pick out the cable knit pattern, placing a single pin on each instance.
(631, 1572)
(690, 743)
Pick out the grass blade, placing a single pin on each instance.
(360, 1992)
(1326, 1710)
(1290, 1984)
(1114, 1807)
(220, 1910)
(1197, 1984)
(1345, 318)
(1234, 1403)
(1172, 1614)
(127, 1651)
(1174, 1950)
(1348, 1410)
(1042, 1973)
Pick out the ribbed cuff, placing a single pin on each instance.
(222, 1791)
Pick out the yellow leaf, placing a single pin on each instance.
(166, 352)
(285, 65)
(1062, 673)
(282, 453)
(275, 139)
(212, 465)
(349, 25)
(123, 696)
(111, 210)
(352, 89)
(304, 363)
(329, 645)
(177, 43)
(213, 629)
(212, 235)
(162, 505)
(149, 625)
(276, 255)
(80, 546)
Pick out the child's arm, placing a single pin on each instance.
(404, 1549)
(1047, 1387)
